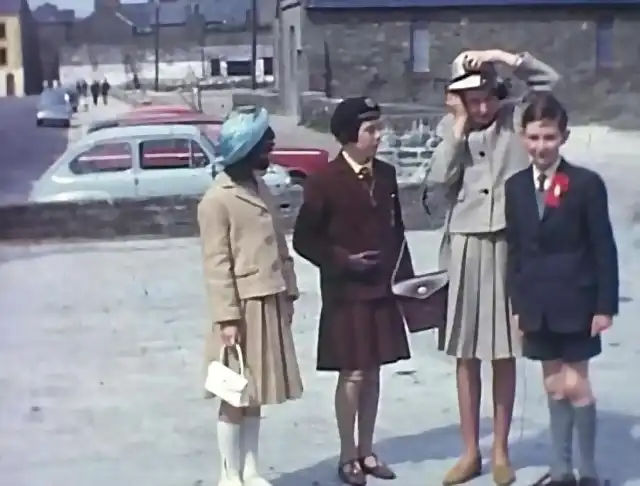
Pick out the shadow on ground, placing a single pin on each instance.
(618, 451)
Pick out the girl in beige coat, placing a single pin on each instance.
(251, 287)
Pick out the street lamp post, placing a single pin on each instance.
(156, 48)
(254, 43)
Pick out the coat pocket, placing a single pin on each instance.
(246, 272)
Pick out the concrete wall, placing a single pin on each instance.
(372, 52)
(118, 63)
(170, 217)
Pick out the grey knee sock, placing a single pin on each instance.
(561, 416)
(586, 433)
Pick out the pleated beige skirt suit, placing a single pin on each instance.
(250, 278)
(470, 175)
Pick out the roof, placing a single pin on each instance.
(10, 7)
(351, 4)
(229, 12)
(139, 131)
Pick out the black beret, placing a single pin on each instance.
(349, 115)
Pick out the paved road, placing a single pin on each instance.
(26, 151)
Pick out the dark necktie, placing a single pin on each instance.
(542, 178)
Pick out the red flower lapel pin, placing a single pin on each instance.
(559, 185)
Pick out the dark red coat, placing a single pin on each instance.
(340, 217)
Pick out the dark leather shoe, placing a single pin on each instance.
(380, 470)
(351, 473)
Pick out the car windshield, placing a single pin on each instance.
(53, 97)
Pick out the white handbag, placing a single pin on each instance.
(225, 383)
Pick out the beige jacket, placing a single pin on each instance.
(470, 174)
(244, 250)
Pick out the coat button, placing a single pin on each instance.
(484, 191)
(481, 153)
(269, 240)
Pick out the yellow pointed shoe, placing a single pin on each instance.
(503, 475)
(463, 471)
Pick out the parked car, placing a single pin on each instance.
(54, 108)
(139, 162)
(300, 162)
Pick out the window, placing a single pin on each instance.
(238, 68)
(106, 157)
(267, 62)
(3, 56)
(216, 68)
(177, 153)
(420, 48)
(604, 42)
(3, 30)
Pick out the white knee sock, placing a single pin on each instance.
(250, 449)
(229, 445)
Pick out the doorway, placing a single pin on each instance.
(10, 84)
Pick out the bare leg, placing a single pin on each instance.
(469, 392)
(347, 402)
(504, 392)
(578, 390)
(368, 413)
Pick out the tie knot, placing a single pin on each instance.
(542, 178)
(364, 173)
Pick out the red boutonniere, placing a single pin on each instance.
(559, 185)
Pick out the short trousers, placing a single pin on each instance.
(547, 345)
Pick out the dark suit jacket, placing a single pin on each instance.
(339, 217)
(561, 268)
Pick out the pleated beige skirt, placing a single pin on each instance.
(271, 365)
(479, 323)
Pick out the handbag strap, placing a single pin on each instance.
(396, 268)
(238, 349)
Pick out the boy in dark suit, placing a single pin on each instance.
(562, 279)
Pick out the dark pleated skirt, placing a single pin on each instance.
(361, 335)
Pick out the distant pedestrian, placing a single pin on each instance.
(136, 82)
(95, 91)
(105, 87)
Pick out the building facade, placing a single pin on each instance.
(19, 59)
(400, 50)
(191, 38)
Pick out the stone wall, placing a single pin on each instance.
(168, 217)
(372, 52)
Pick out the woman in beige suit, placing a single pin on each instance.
(480, 150)
(251, 286)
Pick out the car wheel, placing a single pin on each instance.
(39, 123)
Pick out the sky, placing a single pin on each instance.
(82, 7)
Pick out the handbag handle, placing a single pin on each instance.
(223, 349)
(403, 248)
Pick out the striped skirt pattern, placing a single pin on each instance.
(479, 323)
(271, 365)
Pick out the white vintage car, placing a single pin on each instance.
(140, 162)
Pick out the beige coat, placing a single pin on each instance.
(244, 250)
(471, 173)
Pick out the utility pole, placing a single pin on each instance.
(254, 43)
(156, 48)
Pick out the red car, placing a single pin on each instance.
(299, 162)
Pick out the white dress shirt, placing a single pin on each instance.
(549, 173)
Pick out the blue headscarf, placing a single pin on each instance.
(240, 132)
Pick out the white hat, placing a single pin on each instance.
(463, 78)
